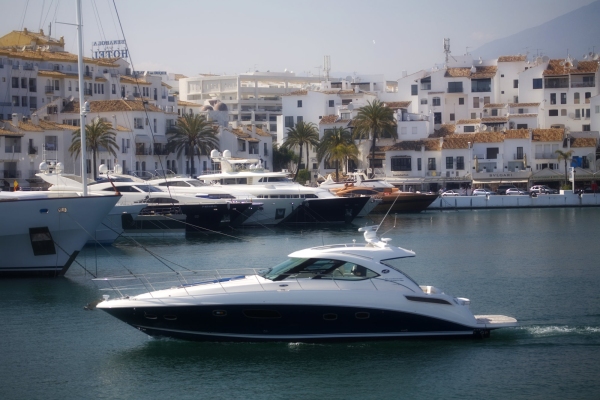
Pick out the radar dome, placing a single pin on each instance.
(214, 154)
(226, 154)
(43, 167)
(59, 167)
(103, 168)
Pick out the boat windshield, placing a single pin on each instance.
(283, 268)
(318, 268)
(196, 183)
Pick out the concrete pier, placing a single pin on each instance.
(566, 198)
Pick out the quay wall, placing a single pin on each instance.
(565, 199)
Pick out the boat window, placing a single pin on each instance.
(147, 188)
(319, 268)
(392, 264)
(196, 183)
(242, 181)
(311, 196)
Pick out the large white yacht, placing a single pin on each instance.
(336, 292)
(160, 212)
(284, 201)
(41, 232)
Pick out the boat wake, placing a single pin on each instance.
(557, 330)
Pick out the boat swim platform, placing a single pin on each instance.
(495, 321)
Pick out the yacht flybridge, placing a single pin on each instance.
(327, 293)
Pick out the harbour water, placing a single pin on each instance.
(539, 265)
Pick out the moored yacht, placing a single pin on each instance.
(327, 293)
(284, 201)
(42, 232)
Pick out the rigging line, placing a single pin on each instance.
(41, 14)
(208, 230)
(386, 214)
(98, 19)
(46, 18)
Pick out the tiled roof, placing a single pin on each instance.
(97, 106)
(298, 93)
(52, 56)
(522, 115)
(4, 132)
(494, 120)
(583, 142)
(547, 135)
(414, 145)
(54, 74)
(583, 67)
(329, 119)
(239, 132)
(489, 137)
(458, 141)
(179, 76)
(49, 126)
(188, 104)
(512, 58)
(397, 104)
(339, 91)
(517, 134)
(29, 127)
(445, 130)
(129, 79)
(480, 72)
(253, 140)
(123, 129)
(514, 105)
(165, 85)
(260, 132)
(494, 105)
(468, 121)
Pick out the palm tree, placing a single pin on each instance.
(304, 133)
(192, 134)
(374, 121)
(98, 136)
(565, 156)
(282, 157)
(337, 145)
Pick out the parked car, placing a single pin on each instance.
(483, 192)
(542, 189)
(516, 191)
(451, 193)
(503, 188)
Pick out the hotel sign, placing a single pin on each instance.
(110, 49)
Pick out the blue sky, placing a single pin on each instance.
(232, 36)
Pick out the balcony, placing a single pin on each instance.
(546, 156)
(556, 83)
(137, 94)
(87, 92)
(518, 156)
(583, 84)
(425, 86)
(88, 74)
(49, 89)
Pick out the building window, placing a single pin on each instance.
(521, 126)
(299, 103)
(473, 115)
(460, 163)
(403, 130)
(418, 164)
(423, 101)
(475, 102)
(481, 85)
(553, 113)
(552, 98)
(455, 87)
(451, 117)
(114, 88)
(469, 128)
(587, 97)
(436, 101)
(587, 113)
(437, 118)
(414, 90)
(461, 101)
(138, 123)
(494, 112)
(299, 119)
(33, 102)
(449, 163)
(401, 163)
(577, 113)
(289, 122)
(563, 112)
(241, 145)
(15, 101)
(431, 164)
(563, 98)
(15, 83)
(330, 103)
(585, 128)
(486, 100)
(576, 98)
(538, 83)
(23, 83)
(56, 84)
(24, 101)
(515, 83)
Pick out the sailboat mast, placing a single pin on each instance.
(82, 104)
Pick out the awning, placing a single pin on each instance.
(142, 139)
(160, 139)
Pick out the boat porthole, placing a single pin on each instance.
(219, 313)
(330, 317)
(170, 317)
(150, 316)
(362, 315)
(262, 314)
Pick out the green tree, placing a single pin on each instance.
(282, 157)
(192, 134)
(564, 156)
(304, 133)
(374, 121)
(98, 136)
(337, 146)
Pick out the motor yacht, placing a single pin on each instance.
(41, 232)
(284, 201)
(161, 212)
(327, 293)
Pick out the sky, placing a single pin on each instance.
(236, 36)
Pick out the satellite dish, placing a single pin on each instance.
(350, 106)
(595, 58)
(484, 127)
(571, 115)
(562, 63)
(545, 59)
